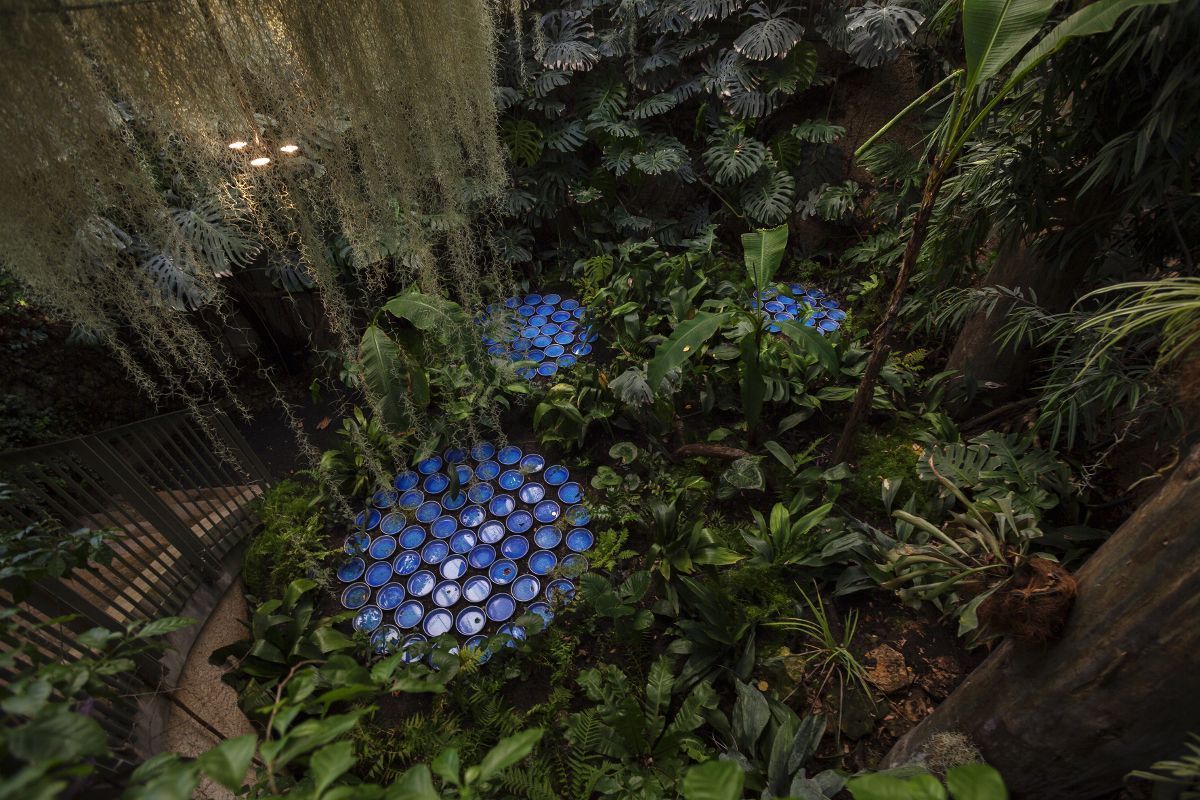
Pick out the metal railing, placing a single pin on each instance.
(177, 488)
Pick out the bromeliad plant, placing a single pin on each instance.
(811, 540)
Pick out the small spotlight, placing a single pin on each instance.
(289, 148)
(238, 145)
(261, 161)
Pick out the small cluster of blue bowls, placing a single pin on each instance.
(546, 329)
(810, 306)
(424, 561)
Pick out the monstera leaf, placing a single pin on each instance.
(733, 156)
(177, 285)
(772, 37)
(876, 32)
(214, 235)
(567, 43)
(769, 196)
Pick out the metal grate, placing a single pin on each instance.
(176, 487)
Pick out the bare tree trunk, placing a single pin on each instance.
(1120, 689)
(879, 339)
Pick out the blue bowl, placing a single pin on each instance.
(526, 311)
(509, 455)
(406, 563)
(367, 519)
(500, 607)
(444, 526)
(526, 588)
(454, 455)
(390, 596)
(411, 499)
(547, 537)
(545, 309)
(560, 316)
(470, 620)
(436, 483)
(382, 548)
(514, 633)
(563, 338)
(502, 505)
(580, 539)
(570, 327)
(472, 516)
(491, 531)
(532, 493)
(406, 480)
(487, 470)
(547, 511)
(542, 341)
(351, 569)
(386, 640)
(453, 502)
(446, 594)
(533, 299)
(559, 592)
(414, 648)
(550, 328)
(556, 475)
(435, 551)
(481, 556)
(577, 516)
(502, 572)
(463, 541)
(519, 521)
(378, 574)
(514, 547)
(570, 492)
(543, 611)
(430, 465)
(476, 588)
(547, 369)
(573, 565)
(569, 304)
(392, 524)
(566, 361)
(551, 299)
(454, 568)
(356, 595)
(555, 350)
(412, 537)
(429, 511)
(481, 493)
(483, 451)
(542, 562)
(511, 479)
(356, 543)
(384, 499)
(437, 622)
(421, 583)
(409, 614)
(367, 619)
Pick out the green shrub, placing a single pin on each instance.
(291, 544)
(883, 454)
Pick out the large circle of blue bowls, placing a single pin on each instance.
(507, 540)
(809, 306)
(543, 332)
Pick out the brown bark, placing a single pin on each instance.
(879, 339)
(706, 450)
(1120, 689)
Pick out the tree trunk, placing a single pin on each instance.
(879, 339)
(1120, 689)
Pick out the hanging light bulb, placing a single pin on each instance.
(289, 148)
(238, 145)
(261, 161)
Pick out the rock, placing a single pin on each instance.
(889, 673)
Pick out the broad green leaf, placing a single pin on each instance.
(781, 455)
(447, 765)
(714, 780)
(763, 250)
(62, 736)
(754, 388)
(508, 751)
(745, 473)
(426, 312)
(227, 762)
(684, 343)
(975, 782)
(330, 639)
(658, 687)
(994, 31)
(750, 716)
(163, 626)
(330, 763)
(388, 376)
(416, 784)
(887, 787)
(1098, 17)
(813, 343)
(296, 589)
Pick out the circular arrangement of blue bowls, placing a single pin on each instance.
(547, 329)
(810, 306)
(423, 561)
